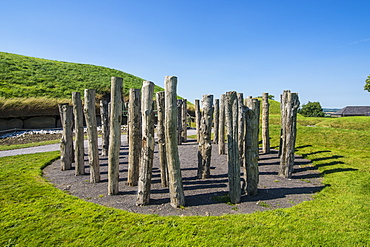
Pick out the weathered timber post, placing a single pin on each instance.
(197, 118)
(205, 143)
(79, 134)
(233, 159)
(147, 149)
(251, 173)
(216, 120)
(265, 124)
(104, 126)
(114, 135)
(184, 114)
(177, 197)
(92, 134)
(179, 121)
(134, 128)
(161, 138)
(221, 128)
(248, 102)
(290, 104)
(241, 123)
(66, 142)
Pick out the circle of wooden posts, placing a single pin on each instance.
(231, 114)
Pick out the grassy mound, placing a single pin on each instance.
(29, 84)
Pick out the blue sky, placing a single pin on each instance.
(317, 48)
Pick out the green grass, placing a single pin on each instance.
(23, 76)
(34, 213)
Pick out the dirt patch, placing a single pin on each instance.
(203, 196)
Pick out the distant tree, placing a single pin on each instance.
(312, 109)
(367, 85)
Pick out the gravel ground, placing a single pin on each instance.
(203, 196)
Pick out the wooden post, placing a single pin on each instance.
(177, 196)
(161, 138)
(205, 144)
(179, 121)
(216, 120)
(290, 104)
(265, 124)
(66, 142)
(241, 120)
(233, 160)
(79, 134)
(114, 135)
(134, 127)
(251, 173)
(221, 129)
(92, 134)
(134, 138)
(184, 114)
(197, 118)
(147, 150)
(104, 126)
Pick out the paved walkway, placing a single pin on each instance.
(56, 147)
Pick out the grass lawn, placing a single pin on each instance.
(34, 213)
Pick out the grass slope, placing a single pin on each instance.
(34, 213)
(22, 76)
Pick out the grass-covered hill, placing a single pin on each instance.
(29, 85)
(22, 76)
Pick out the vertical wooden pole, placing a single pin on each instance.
(161, 138)
(147, 150)
(115, 135)
(251, 173)
(66, 142)
(233, 160)
(79, 134)
(205, 143)
(134, 127)
(184, 114)
(177, 196)
(197, 118)
(104, 126)
(92, 134)
(241, 120)
(221, 129)
(265, 124)
(289, 131)
(179, 121)
(216, 120)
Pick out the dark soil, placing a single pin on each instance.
(203, 196)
